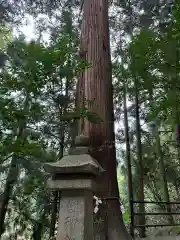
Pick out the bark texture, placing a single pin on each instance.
(96, 84)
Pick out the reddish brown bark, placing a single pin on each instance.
(96, 83)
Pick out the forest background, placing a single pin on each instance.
(37, 102)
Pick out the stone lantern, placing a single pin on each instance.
(74, 176)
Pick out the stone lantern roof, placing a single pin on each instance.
(78, 161)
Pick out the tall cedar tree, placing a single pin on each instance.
(96, 84)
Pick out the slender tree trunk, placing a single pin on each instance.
(11, 179)
(55, 194)
(62, 110)
(161, 161)
(96, 84)
(140, 168)
(38, 228)
(176, 185)
(54, 213)
(37, 232)
(164, 180)
(12, 173)
(128, 158)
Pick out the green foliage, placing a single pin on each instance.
(5, 37)
(122, 182)
(142, 51)
(37, 105)
(37, 102)
(93, 117)
(150, 69)
(31, 98)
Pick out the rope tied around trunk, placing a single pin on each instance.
(99, 201)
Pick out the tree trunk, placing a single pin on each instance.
(155, 131)
(96, 84)
(63, 110)
(140, 168)
(164, 180)
(128, 159)
(54, 213)
(176, 185)
(38, 228)
(37, 232)
(13, 171)
(5, 197)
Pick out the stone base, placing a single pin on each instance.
(75, 216)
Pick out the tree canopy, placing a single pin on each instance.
(38, 111)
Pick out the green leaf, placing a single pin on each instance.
(93, 117)
(70, 116)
